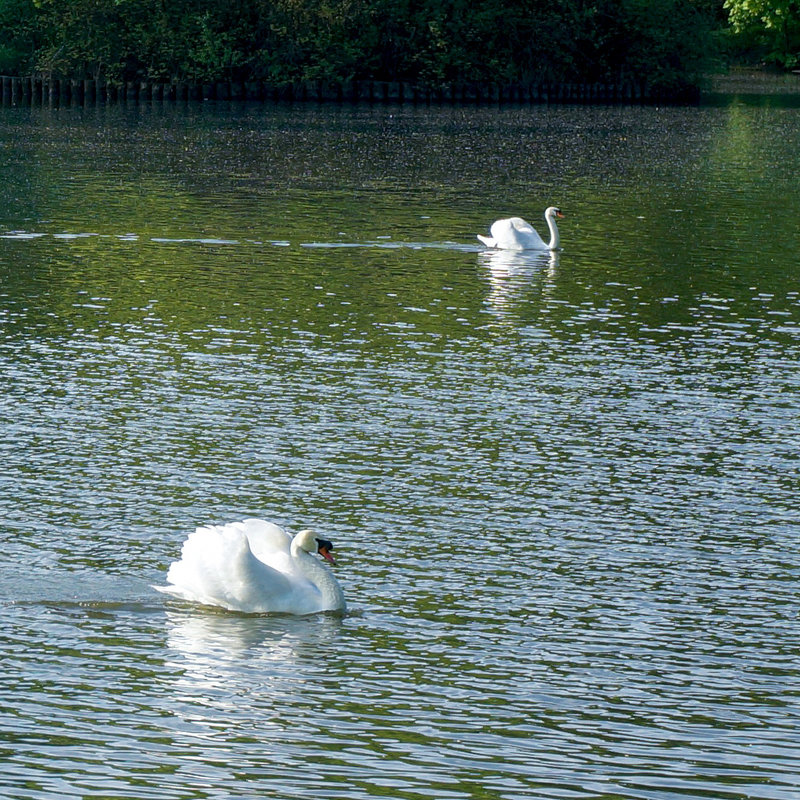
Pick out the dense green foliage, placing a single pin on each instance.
(771, 28)
(665, 43)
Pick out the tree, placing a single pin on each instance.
(665, 43)
(773, 26)
(18, 36)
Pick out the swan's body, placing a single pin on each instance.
(255, 566)
(516, 234)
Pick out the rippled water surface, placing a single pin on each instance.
(563, 491)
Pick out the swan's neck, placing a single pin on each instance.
(554, 240)
(316, 572)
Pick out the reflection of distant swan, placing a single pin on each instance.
(510, 272)
(516, 234)
(254, 566)
(518, 262)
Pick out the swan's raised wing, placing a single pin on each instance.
(218, 568)
(522, 226)
(515, 233)
(269, 542)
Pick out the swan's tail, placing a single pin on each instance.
(488, 241)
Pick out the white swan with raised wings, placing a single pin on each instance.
(255, 566)
(515, 233)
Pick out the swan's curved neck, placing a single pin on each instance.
(316, 572)
(554, 240)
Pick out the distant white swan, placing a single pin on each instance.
(516, 234)
(256, 567)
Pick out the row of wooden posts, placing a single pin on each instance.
(58, 91)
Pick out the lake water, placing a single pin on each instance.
(563, 492)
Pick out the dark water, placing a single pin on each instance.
(563, 492)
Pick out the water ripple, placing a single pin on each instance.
(562, 489)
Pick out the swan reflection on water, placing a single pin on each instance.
(217, 657)
(204, 636)
(511, 271)
(519, 262)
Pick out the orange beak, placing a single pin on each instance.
(326, 554)
(559, 214)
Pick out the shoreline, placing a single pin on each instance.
(754, 81)
(41, 91)
(33, 91)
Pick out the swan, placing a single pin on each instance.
(516, 234)
(255, 566)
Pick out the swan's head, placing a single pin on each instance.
(307, 540)
(324, 548)
(553, 212)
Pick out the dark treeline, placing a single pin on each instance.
(664, 44)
